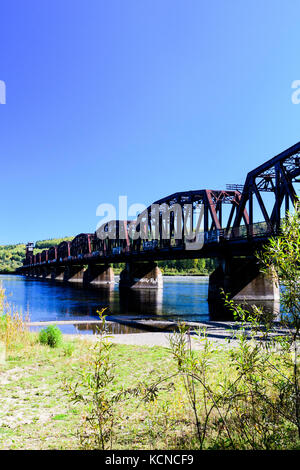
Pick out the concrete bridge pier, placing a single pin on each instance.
(36, 272)
(242, 280)
(141, 275)
(74, 273)
(49, 273)
(57, 273)
(42, 272)
(99, 275)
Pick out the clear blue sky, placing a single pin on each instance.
(140, 98)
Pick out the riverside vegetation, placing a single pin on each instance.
(99, 395)
(12, 256)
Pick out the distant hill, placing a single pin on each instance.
(45, 244)
(11, 256)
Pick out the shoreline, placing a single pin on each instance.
(118, 273)
(153, 333)
(218, 332)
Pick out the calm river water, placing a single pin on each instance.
(181, 297)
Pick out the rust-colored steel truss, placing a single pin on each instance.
(212, 202)
(276, 176)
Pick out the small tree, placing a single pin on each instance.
(283, 254)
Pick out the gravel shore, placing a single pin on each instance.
(151, 332)
(216, 332)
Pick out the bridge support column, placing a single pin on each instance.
(36, 271)
(50, 273)
(242, 280)
(99, 275)
(58, 273)
(74, 274)
(141, 275)
(44, 271)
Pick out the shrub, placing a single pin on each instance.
(68, 349)
(13, 327)
(51, 336)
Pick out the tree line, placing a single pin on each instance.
(12, 256)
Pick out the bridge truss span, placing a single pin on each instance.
(203, 223)
(278, 177)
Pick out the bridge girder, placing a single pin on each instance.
(276, 176)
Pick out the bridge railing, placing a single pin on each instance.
(259, 229)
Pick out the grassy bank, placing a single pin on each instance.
(37, 411)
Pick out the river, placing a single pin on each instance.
(182, 298)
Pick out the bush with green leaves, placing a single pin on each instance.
(68, 349)
(51, 336)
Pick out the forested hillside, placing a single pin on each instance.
(188, 266)
(45, 244)
(11, 256)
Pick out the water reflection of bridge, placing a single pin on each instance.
(182, 299)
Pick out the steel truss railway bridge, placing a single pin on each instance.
(229, 225)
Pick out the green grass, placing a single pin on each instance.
(37, 413)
